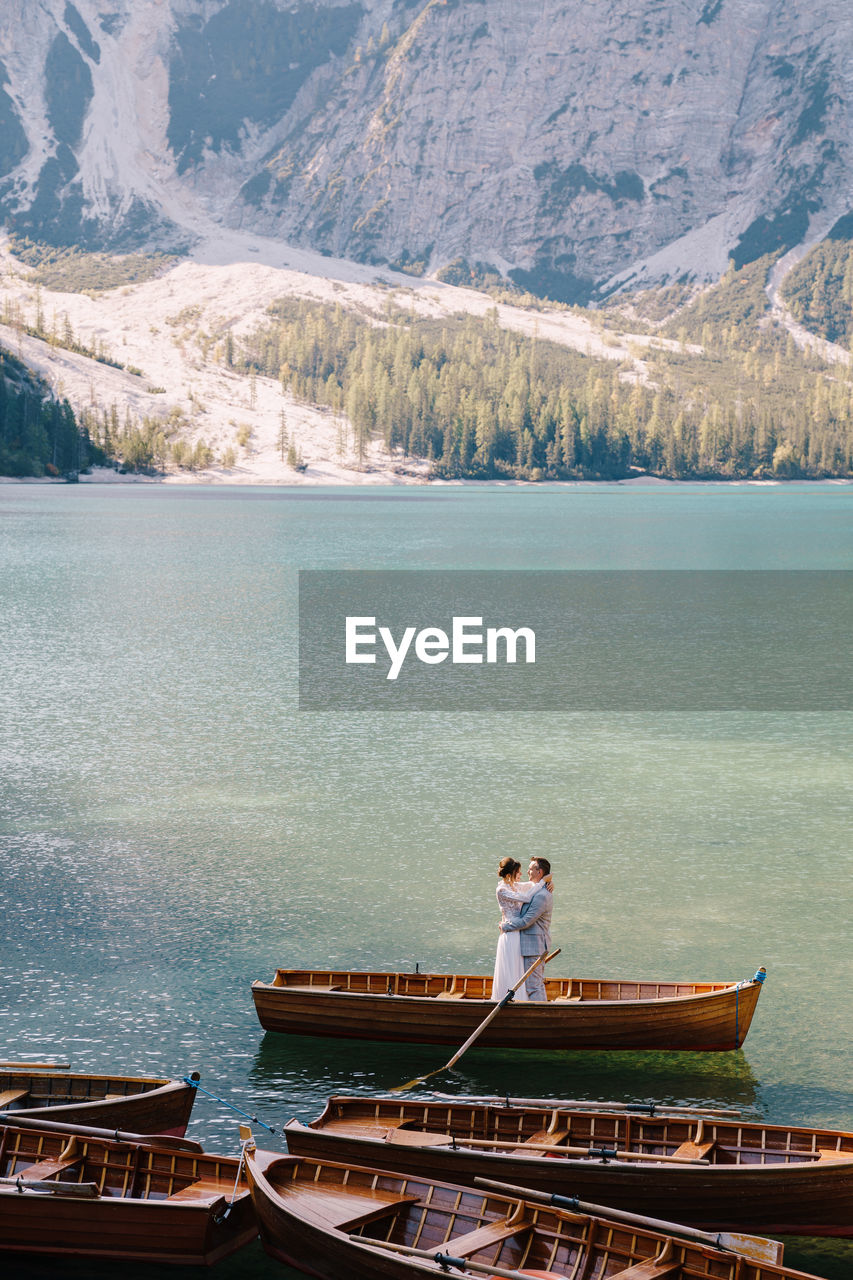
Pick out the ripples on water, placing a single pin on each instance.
(173, 828)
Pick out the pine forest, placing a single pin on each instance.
(713, 387)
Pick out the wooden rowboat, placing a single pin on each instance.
(85, 1195)
(435, 1008)
(713, 1173)
(340, 1222)
(140, 1103)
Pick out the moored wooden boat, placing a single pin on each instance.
(431, 1008)
(84, 1195)
(143, 1104)
(341, 1222)
(711, 1172)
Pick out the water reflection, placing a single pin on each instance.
(831, 1259)
(307, 1069)
(250, 1263)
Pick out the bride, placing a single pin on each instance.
(512, 894)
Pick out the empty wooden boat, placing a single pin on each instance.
(340, 1222)
(434, 1008)
(140, 1103)
(711, 1172)
(81, 1195)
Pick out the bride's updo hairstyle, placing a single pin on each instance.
(508, 868)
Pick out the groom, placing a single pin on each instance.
(534, 924)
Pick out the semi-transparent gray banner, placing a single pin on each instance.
(678, 640)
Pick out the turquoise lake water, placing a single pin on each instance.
(172, 826)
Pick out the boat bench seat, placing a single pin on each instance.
(830, 1153)
(449, 995)
(49, 1168)
(489, 1234)
(201, 1190)
(694, 1150)
(8, 1096)
(649, 1269)
(544, 1137)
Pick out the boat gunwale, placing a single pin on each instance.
(50, 1073)
(548, 1105)
(626, 1169)
(527, 1008)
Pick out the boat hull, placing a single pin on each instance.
(301, 1225)
(138, 1232)
(713, 1020)
(80, 1194)
(817, 1204)
(109, 1102)
(808, 1198)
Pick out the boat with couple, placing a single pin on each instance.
(545, 1012)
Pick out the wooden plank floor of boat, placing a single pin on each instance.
(341, 1208)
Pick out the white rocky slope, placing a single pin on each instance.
(158, 326)
(582, 143)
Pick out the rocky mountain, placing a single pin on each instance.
(574, 145)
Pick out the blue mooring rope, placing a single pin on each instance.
(255, 1119)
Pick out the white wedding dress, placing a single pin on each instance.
(509, 964)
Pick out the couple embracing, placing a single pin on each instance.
(525, 927)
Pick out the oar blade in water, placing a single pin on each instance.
(543, 960)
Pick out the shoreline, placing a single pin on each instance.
(108, 477)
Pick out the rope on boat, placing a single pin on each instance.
(255, 1119)
(244, 1145)
(759, 977)
(239, 1170)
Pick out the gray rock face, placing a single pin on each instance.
(571, 142)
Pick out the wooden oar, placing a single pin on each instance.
(590, 1104)
(83, 1190)
(15, 1120)
(410, 1084)
(608, 1153)
(35, 1066)
(443, 1260)
(757, 1248)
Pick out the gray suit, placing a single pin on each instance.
(534, 926)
